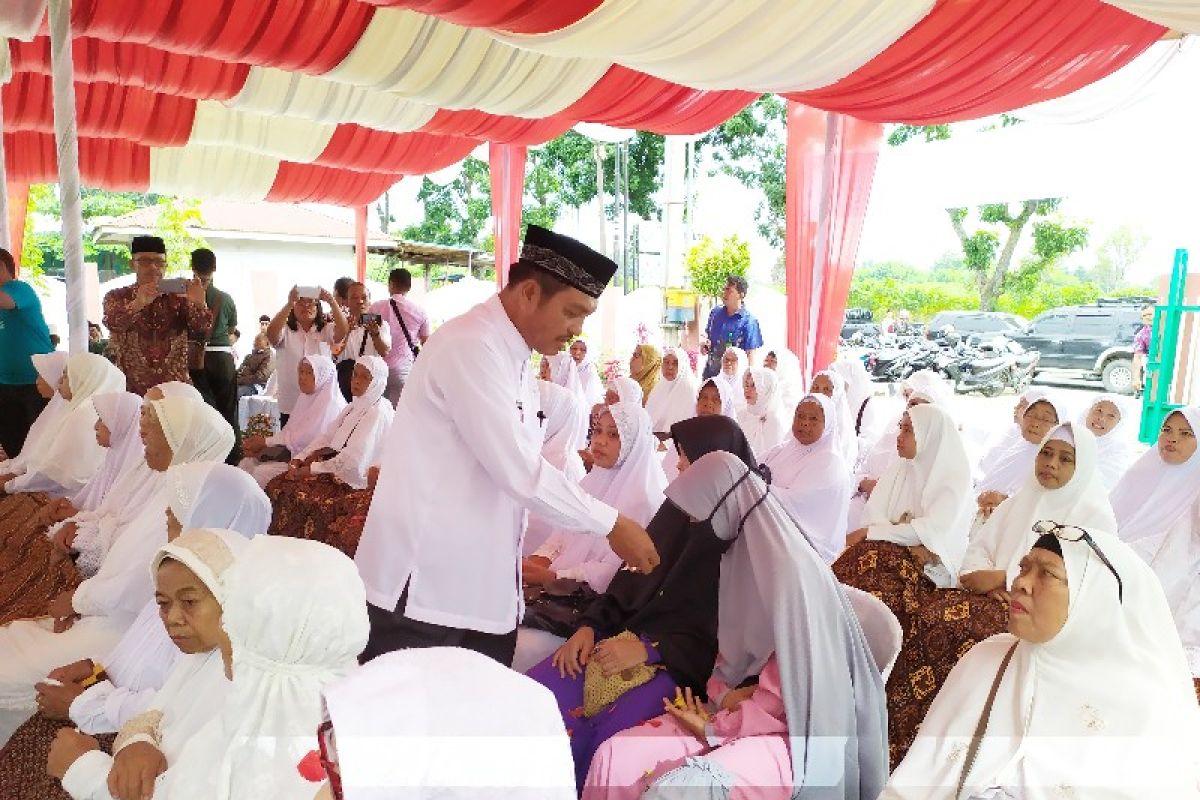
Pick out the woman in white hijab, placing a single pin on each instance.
(589, 378)
(288, 644)
(561, 369)
(1087, 695)
(810, 478)
(49, 367)
(785, 364)
(565, 429)
(869, 415)
(763, 418)
(1107, 419)
(1157, 505)
(674, 396)
(1062, 484)
(712, 399)
(627, 475)
(812, 724)
(472, 729)
(1006, 467)
(622, 389)
(189, 593)
(318, 405)
(93, 616)
(734, 362)
(64, 461)
(833, 386)
(914, 528)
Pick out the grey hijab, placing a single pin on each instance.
(778, 596)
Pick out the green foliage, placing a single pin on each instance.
(906, 133)
(1121, 250)
(175, 219)
(455, 214)
(96, 204)
(709, 266)
(752, 147)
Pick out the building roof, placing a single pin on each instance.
(422, 253)
(225, 219)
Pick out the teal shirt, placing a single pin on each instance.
(23, 334)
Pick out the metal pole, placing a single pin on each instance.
(1160, 361)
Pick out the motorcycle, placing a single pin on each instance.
(990, 367)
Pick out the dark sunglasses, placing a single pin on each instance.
(1053, 528)
(329, 758)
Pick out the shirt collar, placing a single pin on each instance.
(741, 310)
(513, 341)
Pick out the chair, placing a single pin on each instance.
(880, 627)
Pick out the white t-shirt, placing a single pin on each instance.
(292, 346)
(354, 342)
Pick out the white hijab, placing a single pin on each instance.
(765, 422)
(672, 401)
(450, 724)
(728, 407)
(120, 412)
(778, 597)
(634, 485)
(589, 379)
(934, 489)
(787, 366)
(1008, 533)
(49, 368)
(1115, 448)
(734, 382)
(180, 389)
(371, 400)
(210, 494)
(843, 420)
(313, 413)
(288, 644)
(1105, 709)
(564, 428)
(1007, 466)
(565, 373)
(813, 483)
(998, 446)
(627, 389)
(194, 430)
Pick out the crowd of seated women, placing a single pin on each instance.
(853, 600)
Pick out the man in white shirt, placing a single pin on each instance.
(462, 465)
(409, 327)
(369, 338)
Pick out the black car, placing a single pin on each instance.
(966, 323)
(1094, 339)
(858, 320)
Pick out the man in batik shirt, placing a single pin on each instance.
(148, 329)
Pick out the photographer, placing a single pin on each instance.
(367, 337)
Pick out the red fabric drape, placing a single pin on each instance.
(18, 205)
(517, 16)
(830, 166)
(360, 243)
(116, 164)
(507, 163)
(366, 150)
(103, 110)
(971, 59)
(311, 36)
(495, 127)
(307, 183)
(140, 65)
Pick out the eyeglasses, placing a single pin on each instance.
(150, 262)
(1055, 529)
(328, 754)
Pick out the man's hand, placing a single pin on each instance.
(69, 744)
(735, 697)
(144, 295)
(64, 538)
(323, 294)
(575, 652)
(195, 292)
(535, 572)
(54, 702)
(253, 445)
(632, 544)
(988, 501)
(134, 769)
(75, 672)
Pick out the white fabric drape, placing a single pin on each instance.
(763, 45)
(433, 61)
(21, 19)
(209, 171)
(1179, 15)
(276, 136)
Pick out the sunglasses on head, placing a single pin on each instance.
(1054, 529)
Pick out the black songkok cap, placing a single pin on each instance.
(147, 244)
(568, 260)
(1048, 541)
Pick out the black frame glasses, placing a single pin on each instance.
(1048, 526)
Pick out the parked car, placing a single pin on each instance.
(858, 320)
(976, 322)
(1095, 340)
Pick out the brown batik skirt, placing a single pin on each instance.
(889, 572)
(31, 575)
(947, 626)
(23, 760)
(319, 507)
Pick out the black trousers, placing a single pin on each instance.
(20, 405)
(217, 384)
(391, 631)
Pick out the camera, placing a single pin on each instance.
(365, 319)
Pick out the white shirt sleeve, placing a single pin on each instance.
(596, 574)
(104, 708)
(87, 778)
(483, 412)
(35, 482)
(115, 588)
(351, 463)
(902, 534)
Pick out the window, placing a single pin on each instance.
(1097, 325)
(1050, 325)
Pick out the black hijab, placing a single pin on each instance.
(676, 605)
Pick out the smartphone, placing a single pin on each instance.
(172, 286)
(364, 319)
(309, 292)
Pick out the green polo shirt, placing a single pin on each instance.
(223, 322)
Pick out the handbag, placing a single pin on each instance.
(197, 347)
(556, 608)
(416, 351)
(276, 452)
(600, 692)
(345, 370)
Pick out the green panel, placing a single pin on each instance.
(1164, 349)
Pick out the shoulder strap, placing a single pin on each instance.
(362, 347)
(981, 726)
(858, 422)
(403, 327)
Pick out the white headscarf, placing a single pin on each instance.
(931, 385)
(1114, 449)
(634, 484)
(843, 420)
(589, 379)
(313, 413)
(194, 430)
(778, 597)
(179, 389)
(349, 417)
(451, 724)
(207, 552)
(672, 401)
(627, 389)
(564, 373)
(734, 382)
(728, 407)
(765, 422)
(214, 495)
(934, 489)
(1106, 708)
(288, 644)
(1008, 533)
(813, 483)
(1011, 435)
(787, 366)
(564, 428)
(120, 413)
(1008, 465)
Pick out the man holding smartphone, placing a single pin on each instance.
(368, 335)
(148, 326)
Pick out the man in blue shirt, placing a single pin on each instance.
(730, 325)
(23, 334)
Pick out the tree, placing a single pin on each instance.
(1121, 250)
(176, 218)
(96, 204)
(455, 214)
(709, 266)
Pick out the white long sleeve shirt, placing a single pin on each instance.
(461, 466)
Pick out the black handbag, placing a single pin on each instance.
(556, 608)
(345, 370)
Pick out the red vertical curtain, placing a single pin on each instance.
(831, 162)
(360, 243)
(507, 163)
(18, 204)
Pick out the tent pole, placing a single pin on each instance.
(6, 234)
(67, 138)
(360, 243)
